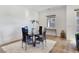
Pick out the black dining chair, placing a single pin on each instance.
(41, 37)
(26, 38)
(24, 33)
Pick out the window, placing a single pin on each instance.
(51, 21)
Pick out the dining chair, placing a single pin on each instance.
(41, 37)
(24, 32)
(26, 38)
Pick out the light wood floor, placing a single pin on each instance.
(62, 45)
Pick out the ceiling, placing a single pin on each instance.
(40, 7)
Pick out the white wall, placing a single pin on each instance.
(71, 23)
(12, 18)
(60, 13)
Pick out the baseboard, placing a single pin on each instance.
(52, 35)
(7, 43)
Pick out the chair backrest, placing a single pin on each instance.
(24, 34)
(40, 30)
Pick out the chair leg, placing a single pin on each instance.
(22, 44)
(45, 43)
(42, 44)
(25, 46)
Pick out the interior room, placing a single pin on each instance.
(39, 28)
